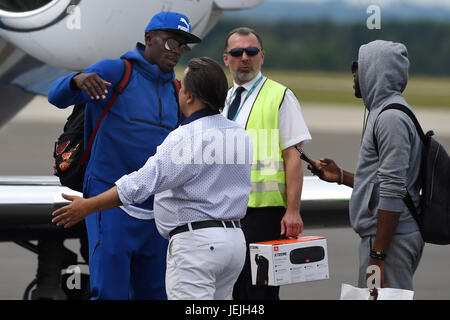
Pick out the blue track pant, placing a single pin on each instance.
(127, 257)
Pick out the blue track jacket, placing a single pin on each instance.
(139, 120)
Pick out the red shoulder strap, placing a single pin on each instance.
(177, 85)
(117, 90)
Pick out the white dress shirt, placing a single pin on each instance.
(202, 171)
(293, 129)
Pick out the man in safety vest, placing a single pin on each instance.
(271, 114)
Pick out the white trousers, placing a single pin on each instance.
(204, 264)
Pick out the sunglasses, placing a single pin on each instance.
(238, 52)
(172, 44)
(354, 66)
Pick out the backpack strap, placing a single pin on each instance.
(407, 199)
(118, 89)
(411, 116)
(177, 84)
(177, 87)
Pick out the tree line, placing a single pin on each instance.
(328, 46)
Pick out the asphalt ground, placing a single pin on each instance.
(26, 145)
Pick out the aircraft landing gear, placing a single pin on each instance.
(53, 258)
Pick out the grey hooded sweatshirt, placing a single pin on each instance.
(382, 180)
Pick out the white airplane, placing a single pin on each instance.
(53, 37)
(74, 34)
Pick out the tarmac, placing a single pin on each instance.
(27, 143)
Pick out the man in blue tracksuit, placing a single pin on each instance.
(127, 256)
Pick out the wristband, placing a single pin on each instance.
(341, 172)
(377, 255)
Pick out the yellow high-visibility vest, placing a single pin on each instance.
(268, 172)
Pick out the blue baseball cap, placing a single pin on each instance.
(173, 22)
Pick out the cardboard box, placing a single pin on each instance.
(274, 263)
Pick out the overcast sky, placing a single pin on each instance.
(444, 3)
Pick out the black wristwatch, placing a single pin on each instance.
(377, 255)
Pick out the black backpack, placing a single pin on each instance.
(69, 152)
(433, 216)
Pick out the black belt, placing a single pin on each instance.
(205, 224)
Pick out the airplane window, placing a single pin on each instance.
(22, 5)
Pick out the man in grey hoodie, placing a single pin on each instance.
(390, 237)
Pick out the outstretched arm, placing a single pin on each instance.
(80, 208)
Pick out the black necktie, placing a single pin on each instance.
(236, 103)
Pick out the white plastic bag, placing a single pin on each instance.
(349, 292)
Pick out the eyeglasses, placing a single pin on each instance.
(172, 44)
(238, 52)
(354, 66)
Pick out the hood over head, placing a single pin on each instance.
(383, 72)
